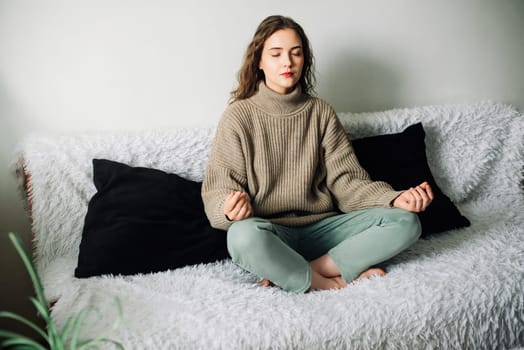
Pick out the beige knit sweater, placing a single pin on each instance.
(292, 157)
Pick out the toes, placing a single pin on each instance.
(372, 272)
(265, 283)
(341, 282)
(377, 272)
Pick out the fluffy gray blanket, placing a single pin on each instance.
(461, 289)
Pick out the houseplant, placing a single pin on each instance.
(66, 338)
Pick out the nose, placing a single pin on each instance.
(287, 61)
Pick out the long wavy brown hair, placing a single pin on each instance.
(250, 74)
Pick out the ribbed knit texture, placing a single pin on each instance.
(293, 158)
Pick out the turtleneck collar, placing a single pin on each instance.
(274, 103)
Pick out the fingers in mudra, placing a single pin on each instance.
(416, 202)
(416, 199)
(237, 206)
(244, 211)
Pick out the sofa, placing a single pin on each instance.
(119, 230)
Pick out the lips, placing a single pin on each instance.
(287, 74)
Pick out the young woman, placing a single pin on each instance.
(283, 179)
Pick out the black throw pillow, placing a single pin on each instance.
(144, 220)
(400, 160)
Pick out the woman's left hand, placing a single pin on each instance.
(415, 199)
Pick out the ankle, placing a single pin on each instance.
(325, 266)
(319, 282)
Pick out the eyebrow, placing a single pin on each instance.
(281, 48)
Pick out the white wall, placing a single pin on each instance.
(108, 64)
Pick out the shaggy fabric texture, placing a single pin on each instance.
(453, 290)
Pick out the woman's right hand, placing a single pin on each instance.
(237, 206)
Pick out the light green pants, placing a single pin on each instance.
(355, 241)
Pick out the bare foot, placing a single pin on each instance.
(371, 272)
(325, 266)
(319, 282)
(266, 283)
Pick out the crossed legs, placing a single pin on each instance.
(325, 255)
(325, 275)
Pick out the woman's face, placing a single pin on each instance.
(282, 60)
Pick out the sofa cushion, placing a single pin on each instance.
(400, 160)
(144, 220)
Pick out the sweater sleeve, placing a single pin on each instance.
(225, 172)
(350, 184)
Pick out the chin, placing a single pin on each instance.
(289, 87)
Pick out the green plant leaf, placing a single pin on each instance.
(8, 334)
(55, 339)
(52, 338)
(17, 242)
(41, 306)
(76, 328)
(120, 311)
(41, 310)
(67, 328)
(21, 341)
(93, 342)
(13, 316)
(88, 343)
